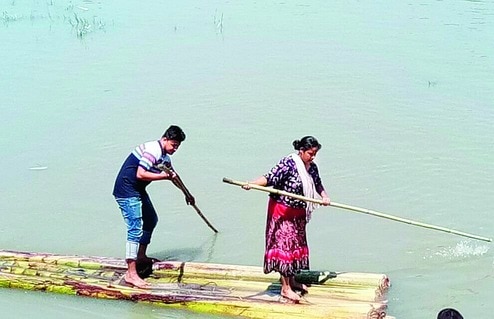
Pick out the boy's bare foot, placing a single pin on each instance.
(291, 295)
(136, 281)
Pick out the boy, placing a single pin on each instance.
(138, 170)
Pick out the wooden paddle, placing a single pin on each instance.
(180, 184)
(356, 209)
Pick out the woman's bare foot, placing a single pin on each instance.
(136, 281)
(298, 286)
(290, 294)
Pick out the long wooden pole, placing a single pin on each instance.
(180, 184)
(186, 192)
(357, 209)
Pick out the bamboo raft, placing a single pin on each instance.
(235, 290)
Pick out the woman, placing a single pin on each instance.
(286, 241)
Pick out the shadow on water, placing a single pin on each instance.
(204, 252)
(145, 269)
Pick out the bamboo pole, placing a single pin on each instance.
(111, 267)
(358, 209)
(180, 184)
(233, 288)
(187, 270)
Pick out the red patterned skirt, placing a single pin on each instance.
(286, 241)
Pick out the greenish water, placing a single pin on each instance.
(399, 94)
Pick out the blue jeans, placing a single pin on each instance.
(140, 218)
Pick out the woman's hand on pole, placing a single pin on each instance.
(260, 181)
(326, 201)
(246, 186)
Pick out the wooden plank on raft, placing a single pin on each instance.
(203, 287)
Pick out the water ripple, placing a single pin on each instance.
(463, 249)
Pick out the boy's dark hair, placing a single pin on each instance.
(449, 313)
(174, 133)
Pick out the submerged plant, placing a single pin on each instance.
(98, 23)
(218, 23)
(6, 17)
(81, 25)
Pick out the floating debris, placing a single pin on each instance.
(38, 168)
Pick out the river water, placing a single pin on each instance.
(399, 93)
